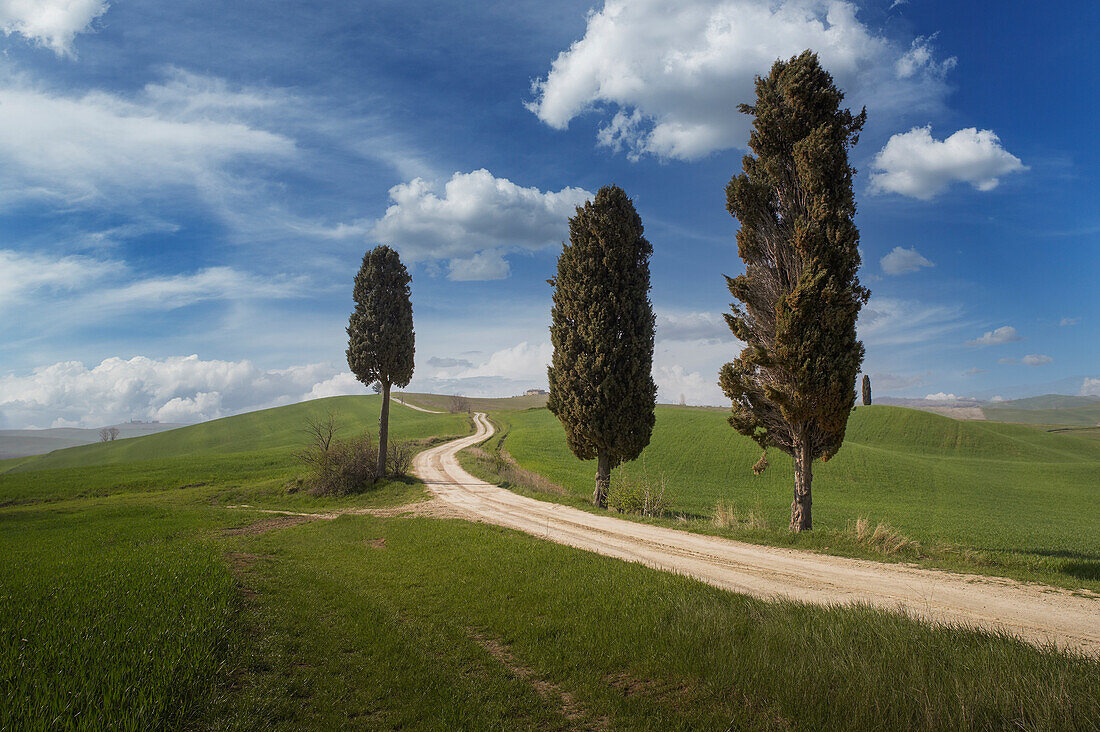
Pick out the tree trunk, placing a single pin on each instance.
(383, 430)
(603, 479)
(803, 477)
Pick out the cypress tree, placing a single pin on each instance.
(380, 332)
(601, 382)
(866, 390)
(800, 295)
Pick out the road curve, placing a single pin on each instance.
(1034, 613)
(413, 406)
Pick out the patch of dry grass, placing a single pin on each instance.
(727, 516)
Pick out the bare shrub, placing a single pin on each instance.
(399, 459)
(113, 433)
(460, 405)
(638, 495)
(883, 538)
(104, 434)
(342, 466)
(726, 516)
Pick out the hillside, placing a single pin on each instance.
(1050, 409)
(442, 402)
(254, 446)
(936, 479)
(23, 443)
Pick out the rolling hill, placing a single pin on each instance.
(988, 486)
(1049, 409)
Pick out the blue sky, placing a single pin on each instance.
(186, 189)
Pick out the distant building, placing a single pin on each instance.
(536, 392)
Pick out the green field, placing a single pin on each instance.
(133, 597)
(442, 402)
(992, 497)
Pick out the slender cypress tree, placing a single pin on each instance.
(601, 382)
(380, 332)
(866, 390)
(800, 295)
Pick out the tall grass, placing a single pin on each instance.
(134, 635)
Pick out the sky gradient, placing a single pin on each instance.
(187, 189)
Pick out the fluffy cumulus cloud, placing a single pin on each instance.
(1036, 359)
(50, 23)
(670, 76)
(942, 397)
(1004, 334)
(915, 164)
(903, 261)
(189, 131)
(1066, 322)
(505, 372)
(475, 218)
(692, 326)
(1090, 387)
(175, 389)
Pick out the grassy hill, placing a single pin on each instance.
(1009, 493)
(231, 451)
(136, 593)
(442, 402)
(1050, 409)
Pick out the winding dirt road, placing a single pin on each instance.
(1035, 613)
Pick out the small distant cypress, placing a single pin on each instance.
(381, 343)
(866, 390)
(602, 324)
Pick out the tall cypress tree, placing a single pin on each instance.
(866, 390)
(380, 332)
(800, 295)
(601, 382)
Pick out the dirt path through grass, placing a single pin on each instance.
(1035, 613)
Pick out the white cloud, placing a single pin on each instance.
(1008, 360)
(1036, 359)
(674, 73)
(1090, 387)
(42, 293)
(22, 274)
(522, 361)
(185, 133)
(485, 265)
(889, 322)
(1065, 322)
(476, 218)
(673, 382)
(903, 261)
(921, 58)
(50, 23)
(174, 389)
(914, 164)
(942, 397)
(973, 371)
(1004, 334)
(997, 398)
(692, 326)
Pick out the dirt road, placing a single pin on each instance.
(1035, 613)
